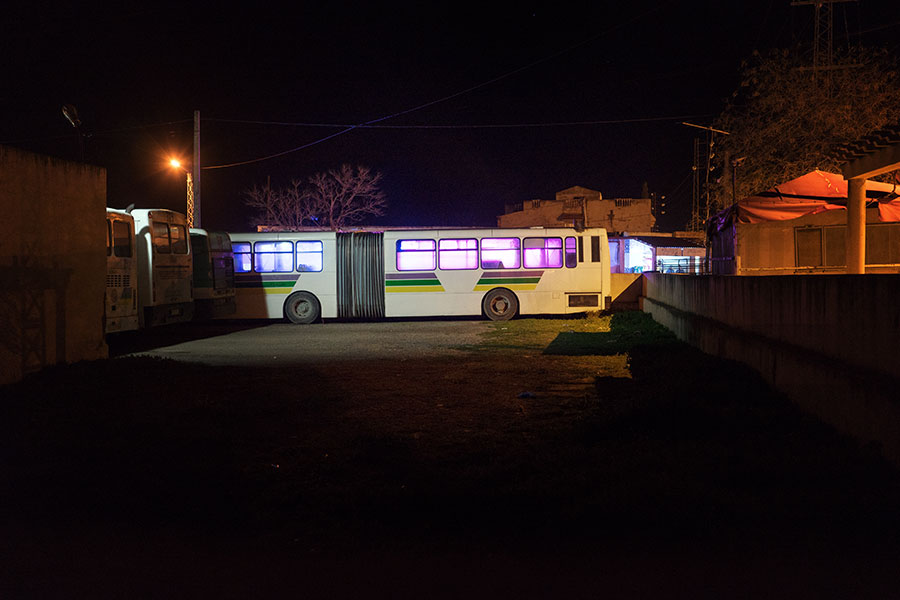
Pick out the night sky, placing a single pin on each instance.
(268, 79)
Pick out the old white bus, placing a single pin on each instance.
(164, 266)
(121, 311)
(305, 276)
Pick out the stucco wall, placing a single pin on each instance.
(829, 342)
(52, 262)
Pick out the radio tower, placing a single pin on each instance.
(823, 38)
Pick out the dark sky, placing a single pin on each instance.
(259, 72)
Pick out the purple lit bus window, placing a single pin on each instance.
(273, 257)
(500, 253)
(543, 253)
(309, 256)
(458, 254)
(571, 253)
(241, 257)
(415, 255)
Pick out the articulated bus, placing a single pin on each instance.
(213, 263)
(498, 273)
(165, 286)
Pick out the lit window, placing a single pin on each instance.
(161, 238)
(241, 257)
(415, 255)
(500, 253)
(571, 253)
(458, 254)
(309, 256)
(542, 253)
(273, 257)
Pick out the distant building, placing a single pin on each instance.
(582, 207)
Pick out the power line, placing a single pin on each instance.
(506, 75)
(467, 126)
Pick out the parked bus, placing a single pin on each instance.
(165, 274)
(121, 309)
(305, 276)
(213, 265)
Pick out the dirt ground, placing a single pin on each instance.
(535, 458)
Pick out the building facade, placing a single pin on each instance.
(582, 207)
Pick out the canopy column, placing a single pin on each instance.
(856, 226)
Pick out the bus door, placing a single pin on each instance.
(360, 275)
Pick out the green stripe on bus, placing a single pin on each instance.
(501, 281)
(402, 282)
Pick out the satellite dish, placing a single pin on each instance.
(71, 114)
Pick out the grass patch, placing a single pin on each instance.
(536, 333)
(625, 331)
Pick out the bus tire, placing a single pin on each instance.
(500, 304)
(302, 308)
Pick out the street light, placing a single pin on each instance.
(176, 164)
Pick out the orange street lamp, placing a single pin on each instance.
(176, 164)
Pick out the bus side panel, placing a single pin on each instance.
(262, 295)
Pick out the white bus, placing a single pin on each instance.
(305, 276)
(165, 286)
(213, 263)
(121, 310)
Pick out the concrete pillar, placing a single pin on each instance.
(856, 226)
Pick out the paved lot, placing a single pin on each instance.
(284, 344)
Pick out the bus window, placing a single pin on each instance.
(108, 240)
(241, 257)
(415, 255)
(571, 255)
(161, 238)
(543, 253)
(309, 256)
(458, 254)
(595, 248)
(178, 237)
(500, 253)
(273, 257)
(121, 239)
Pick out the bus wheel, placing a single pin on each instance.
(500, 305)
(301, 308)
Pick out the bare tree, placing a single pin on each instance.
(333, 199)
(345, 196)
(286, 207)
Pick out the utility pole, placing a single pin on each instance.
(695, 193)
(196, 169)
(710, 145)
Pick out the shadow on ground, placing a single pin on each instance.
(143, 471)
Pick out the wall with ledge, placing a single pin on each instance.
(829, 342)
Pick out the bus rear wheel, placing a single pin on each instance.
(302, 308)
(500, 304)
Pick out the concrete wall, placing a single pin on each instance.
(52, 262)
(829, 342)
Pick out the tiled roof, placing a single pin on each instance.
(867, 145)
